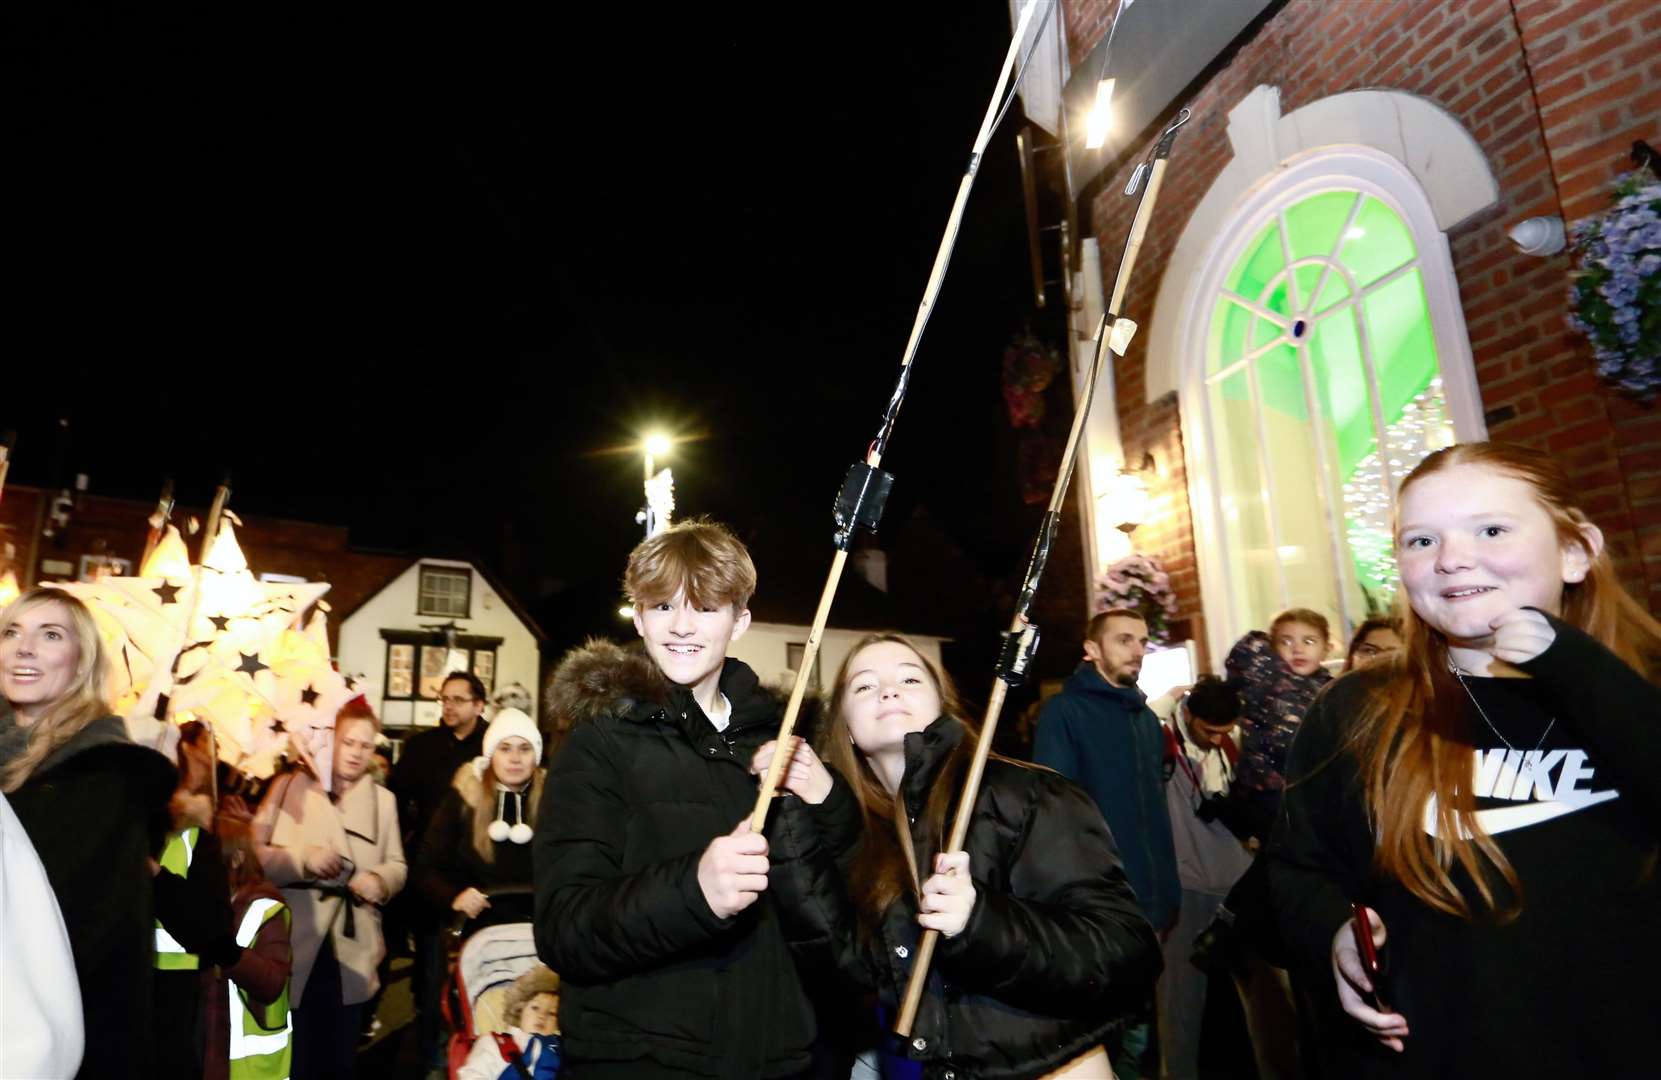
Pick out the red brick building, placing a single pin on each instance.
(1328, 289)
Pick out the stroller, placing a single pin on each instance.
(482, 971)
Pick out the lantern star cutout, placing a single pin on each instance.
(308, 696)
(220, 622)
(251, 664)
(168, 592)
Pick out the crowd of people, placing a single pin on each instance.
(1440, 862)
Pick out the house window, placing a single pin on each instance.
(793, 653)
(416, 672)
(400, 671)
(1326, 340)
(444, 591)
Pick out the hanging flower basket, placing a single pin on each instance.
(1029, 368)
(1138, 582)
(1615, 299)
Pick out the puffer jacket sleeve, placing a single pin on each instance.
(264, 967)
(808, 848)
(594, 921)
(1252, 665)
(1068, 933)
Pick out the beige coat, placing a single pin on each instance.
(363, 827)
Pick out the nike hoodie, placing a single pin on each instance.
(1567, 987)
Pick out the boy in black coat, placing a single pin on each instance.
(647, 877)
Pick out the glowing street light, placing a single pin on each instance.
(659, 487)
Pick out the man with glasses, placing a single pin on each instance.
(419, 780)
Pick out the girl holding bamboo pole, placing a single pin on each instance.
(1043, 948)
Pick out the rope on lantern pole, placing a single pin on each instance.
(1020, 641)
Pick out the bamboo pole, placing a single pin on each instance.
(158, 522)
(210, 530)
(873, 456)
(1020, 636)
(7, 443)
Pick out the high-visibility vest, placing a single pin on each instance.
(176, 856)
(260, 1034)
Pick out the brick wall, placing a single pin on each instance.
(1086, 22)
(1597, 79)
(1596, 73)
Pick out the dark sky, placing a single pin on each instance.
(414, 275)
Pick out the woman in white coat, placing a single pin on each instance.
(40, 1000)
(338, 857)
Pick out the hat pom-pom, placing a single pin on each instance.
(520, 833)
(499, 830)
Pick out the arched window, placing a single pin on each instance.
(1327, 360)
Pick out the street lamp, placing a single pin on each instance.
(659, 488)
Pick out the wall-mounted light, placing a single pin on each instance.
(1538, 236)
(1101, 116)
(1100, 121)
(1124, 505)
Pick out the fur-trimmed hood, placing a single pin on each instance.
(602, 679)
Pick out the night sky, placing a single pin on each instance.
(418, 275)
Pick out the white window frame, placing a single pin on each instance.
(1353, 168)
(421, 592)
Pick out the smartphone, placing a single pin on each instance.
(1362, 927)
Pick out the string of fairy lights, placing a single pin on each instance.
(1422, 428)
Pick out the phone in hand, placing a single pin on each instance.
(1362, 927)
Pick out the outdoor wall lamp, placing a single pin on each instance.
(1538, 236)
(1126, 502)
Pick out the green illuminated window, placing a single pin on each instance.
(1323, 390)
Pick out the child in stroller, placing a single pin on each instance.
(503, 1008)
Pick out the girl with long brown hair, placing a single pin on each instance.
(1043, 947)
(1489, 794)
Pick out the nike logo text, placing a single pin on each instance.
(1525, 776)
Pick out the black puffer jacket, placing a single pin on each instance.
(640, 786)
(1056, 950)
(448, 861)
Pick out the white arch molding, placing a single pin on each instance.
(1401, 149)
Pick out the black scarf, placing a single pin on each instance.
(13, 739)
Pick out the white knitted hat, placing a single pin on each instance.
(507, 724)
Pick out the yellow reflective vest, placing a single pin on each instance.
(176, 856)
(261, 1035)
